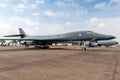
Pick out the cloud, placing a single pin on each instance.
(66, 13)
(40, 1)
(49, 13)
(26, 6)
(59, 3)
(5, 26)
(56, 14)
(96, 22)
(114, 5)
(100, 5)
(111, 7)
(88, 1)
(56, 29)
(20, 7)
(70, 9)
(94, 19)
(32, 1)
(114, 1)
(65, 3)
(2, 5)
(31, 26)
(36, 14)
(68, 23)
(102, 25)
(11, 26)
(33, 6)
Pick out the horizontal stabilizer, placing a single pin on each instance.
(17, 35)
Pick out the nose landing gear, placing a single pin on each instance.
(84, 49)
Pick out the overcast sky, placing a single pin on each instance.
(44, 17)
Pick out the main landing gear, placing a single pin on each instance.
(41, 47)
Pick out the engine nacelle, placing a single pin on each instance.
(91, 44)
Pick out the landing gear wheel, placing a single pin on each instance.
(84, 49)
(39, 47)
(36, 47)
(45, 47)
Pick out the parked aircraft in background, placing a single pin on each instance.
(118, 44)
(107, 43)
(101, 43)
(45, 41)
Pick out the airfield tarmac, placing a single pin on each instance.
(59, 63)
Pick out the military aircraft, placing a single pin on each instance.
(107, 43)
(101, 43)
(45, 41)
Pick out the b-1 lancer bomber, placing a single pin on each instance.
(46, 41)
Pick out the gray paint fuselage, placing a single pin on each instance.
(72, 36)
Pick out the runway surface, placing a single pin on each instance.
(61, 63)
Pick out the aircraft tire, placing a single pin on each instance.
(84, 49)
(46, 47)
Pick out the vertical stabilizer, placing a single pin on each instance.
(22, 33)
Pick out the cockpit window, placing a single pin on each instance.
(89, 32)
(80, 34)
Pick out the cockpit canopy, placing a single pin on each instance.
(89, 32)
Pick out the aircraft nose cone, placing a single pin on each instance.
(112, 37)
(116, 42)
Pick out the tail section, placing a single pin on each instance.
(21, 35)
(21, 31)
